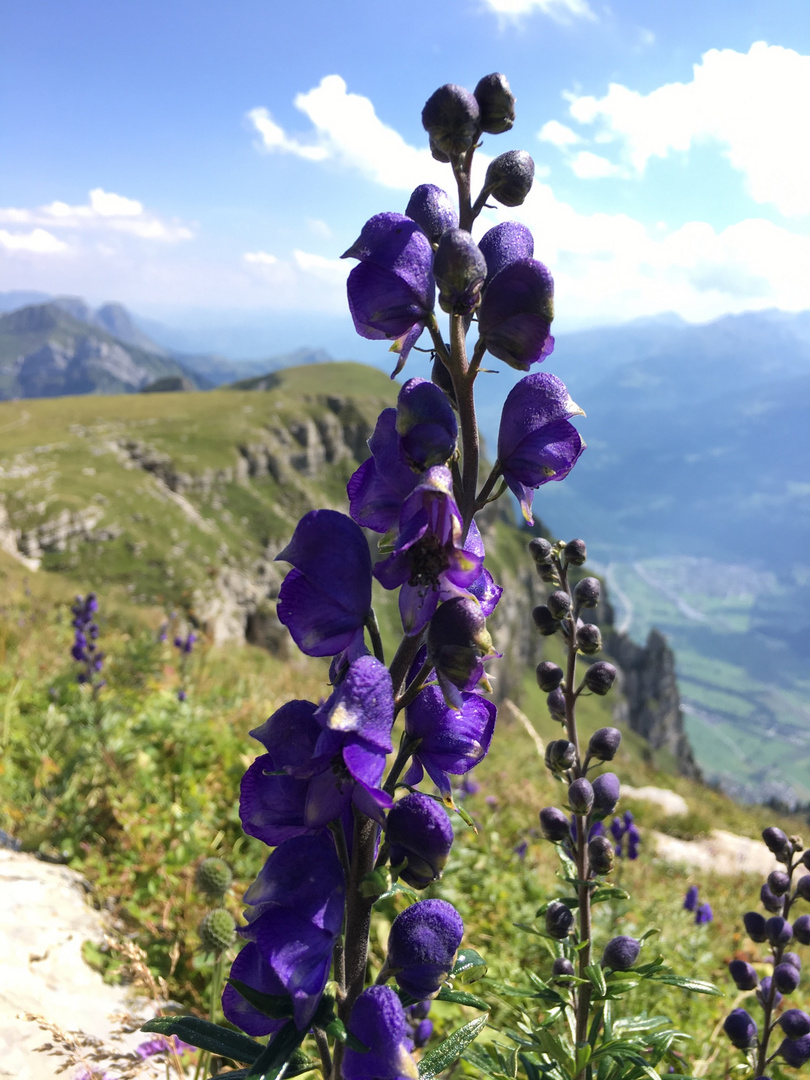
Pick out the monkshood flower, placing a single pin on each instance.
(426, 424)
(795, 1052)
(379, 1022)
(484, 589)
(428, 562)
(536, 442)
(622, 828)
(84, 650)
(294, 917)
(704, 914)
(379, 487)
(459, 269)
(391, 292)
(325, 600)
(458, 643)
(515, 316)
(621, 953)
(503, 244)
(422, 946)
(433, 211)
(418, 829)
(691, 898)
(448, 742)
(163, 1044)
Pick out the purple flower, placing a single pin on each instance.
(392, 292)
(162, 1044)
(704, 914)
(536, 442)
(418, 829)
(741, 1029)
(690, 900)
(422, 946)
(378, 1020)
(621, 953)
(459, 269)
(795, 1052)
(484, 589)
(428, 562)
(505, 243)
(458, 643)
(325, 599)
(515, 316)
(433, 211)
(383, 482)
(294, 918)
(426, 424)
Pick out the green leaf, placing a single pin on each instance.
(451, 1048)
(597, 978)
(461, 997)
(207, 1036)
(649, 933)
(582, 1056)
(274, 1059)
(635, 1025)
(694, 986)
(608, 892)
(276, 1006)
(469, 967)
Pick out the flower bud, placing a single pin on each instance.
(426, 424)
(422, 1033)
(803, 887)
(545, 621)
(741, 1029)
(510, 177)
(496, 103)
(600, 855)
(561, 966)
(605, 795)
(587, 592)
(621, 953)
(378, 1021)
(604, 743)
(580, 796)
(556, 705)
(778, 931)
(217, 931)
(540, 549)
(419, 830)
(451, 117)
(589, 639)
(561, 755)
(795, 1052)
(786, 978)
(600, 677)
(792, 958)
(459, 269)
(743, 975)
(458, 640)
(801, 929)
(764, 993)
(559, 604)
(554, 825)
(777, 842)
(805, 859)
(575, 552)
(755, 926)
(550, 675)
(778, 882)
(433, 211)
(770, 901)
(559, 920)
(422, 946)
(503, 244)
(213, 878)
(795, 1023)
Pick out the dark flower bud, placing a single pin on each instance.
(795, 1052)
(548, 572)
(803, 887)
(786, 978)
(605, 795)
(213, 878)
(580, 796)
(540, 549)
(795, 1023)
(441, 377)
(575, 552)
(556, 705)
(550, 675)
(805, 859)
(559, 920)
(589, 639)
(561, 755)
(741, 1029)
(496, 103)
(459, 269)
(378, 1021)
(778, 882)
(419, 830)
(426, 424)
(764, 993)
(604, 743)
(778, 931)
(755, 926)
(792, 958)
(433, 211)
(457, 641)
(422, 946)
(554, 825)
(545, 621)
(422, 1033)
(777, 842)
(743, 975)
(217, 931)
(600, 677)
(451, 117)
(770, 901)
(621, 953)
(587, 592)
(801, 929)
(559, 604)
(503, 244)
(439, 155)
(600, 855)
(510, 177)
(561, 966)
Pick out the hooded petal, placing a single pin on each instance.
(379, 487)
(451, 741)
(515, 316)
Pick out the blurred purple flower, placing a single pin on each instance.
(378, 1021)
(704, 914)
(690, 899)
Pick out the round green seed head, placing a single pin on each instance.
(217, 931)
(213, 878)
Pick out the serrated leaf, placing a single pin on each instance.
(451, 1048)
(276, 1006)
(695, 986)
(272, 1062)
(469, 967)
(597, 978)
(461, 997)
(207, 1036)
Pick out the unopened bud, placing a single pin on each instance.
(549, 676)
(559, 604)
(589, 639)
(433, 211)
(801, 929)
(803, 887)
(778, 882)
(496, 103)
(545, 621)
(554, 825)
(755, 926)
(213, 878)
(777, 842)
(556, 705)
(561, 966)
(621, 953)
(561, 755)
(575, 552)
(459, 269)
(600, 855)
(559, 920)
(451, 116)
(778, 931)
(600, 677)
(540, 549)
(604, 743)
(510, 177)
(580, 796)
(743, 975)
(587, 592)
(786, 978)
(770, 901)
(606, 790)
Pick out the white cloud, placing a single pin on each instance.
(559, 10)
(587, 166)
(273, 138)
(745, 102)
(260, 258)
(558, 134)
(106, 212)
(38, 241)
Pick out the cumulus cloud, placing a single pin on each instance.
(260, 258)
(587, 165)
(38, 241)
(743, 102)
(559, 10)
(558, 134)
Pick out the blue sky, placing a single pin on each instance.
(218, 157)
